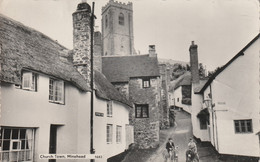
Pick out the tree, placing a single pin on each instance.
(202, 71)
(211, 73)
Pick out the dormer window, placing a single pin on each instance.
(121, 19)
(56, 91)
(29, 81)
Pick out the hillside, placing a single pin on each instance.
(172, 62)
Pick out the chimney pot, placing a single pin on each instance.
(152, 51)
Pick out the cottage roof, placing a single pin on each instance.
(121, 68)
(240, 53)
(22, 47)
(105, 90)
(25, 48)
(184, 79)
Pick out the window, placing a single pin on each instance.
(56, 91)
(141, 111)
(16, 144)
(146, 83)
(106, 21)
(118, 134)
(243, 126)
(109, 133)
(121, 19)
(29, 81)
(109, 109)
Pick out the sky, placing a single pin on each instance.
(220, 28)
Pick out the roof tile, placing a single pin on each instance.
(121, 68)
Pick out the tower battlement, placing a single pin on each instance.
(117, 28)
(127, 6)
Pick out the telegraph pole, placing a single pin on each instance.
(92, 150)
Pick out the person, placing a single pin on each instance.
(193, 148)
(170, 149)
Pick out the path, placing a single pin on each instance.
(180, 134)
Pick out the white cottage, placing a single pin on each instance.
(180, 93)
(231, 105)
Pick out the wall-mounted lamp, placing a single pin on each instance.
(208, 102)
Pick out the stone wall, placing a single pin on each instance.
(164, 106)
(97, 51)
(146, 130)
(123, 88)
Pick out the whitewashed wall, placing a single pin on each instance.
(235, 95)
(120, 117)
(196, 107)
(21, 108)
(177, 93)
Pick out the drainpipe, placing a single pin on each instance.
(92, 150)
(216, 130)
(214, 118)
(212, 114)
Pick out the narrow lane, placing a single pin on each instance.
(180, 134)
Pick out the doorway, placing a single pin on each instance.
(53, 141)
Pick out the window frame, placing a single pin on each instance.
(109, 109)
(12, 144)
(118, 134)
(246, 127)
(109, 133)
(121, 19)
(146, 82)
(142, 106)
(31, 78)
(25, 143)
(56, 91)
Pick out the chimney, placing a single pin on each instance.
(152, 51)
(194, 63)
(97, 51)
(81, 40)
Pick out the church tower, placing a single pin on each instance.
(117, 29)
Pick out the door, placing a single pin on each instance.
(53, 141)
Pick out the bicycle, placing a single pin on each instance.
(191, 156)
(172, 155)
